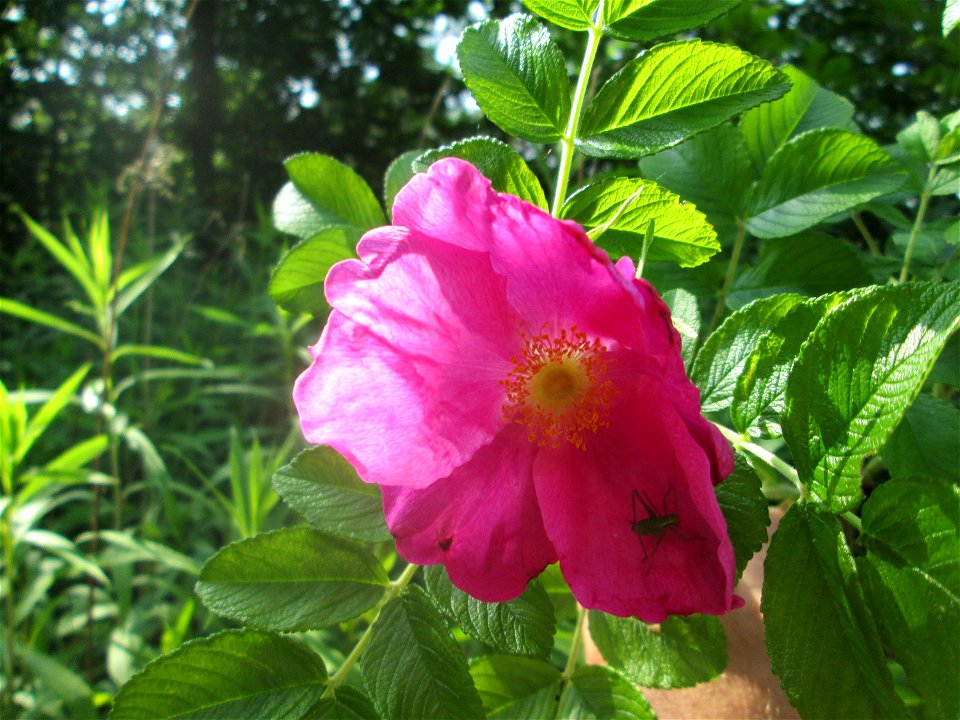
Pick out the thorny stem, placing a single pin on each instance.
(781, 466)
(569, 138)
(393, 590)
(575, 644)
(731, 273)
(917, 224)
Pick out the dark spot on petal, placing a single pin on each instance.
(666, 319)
(445, 543)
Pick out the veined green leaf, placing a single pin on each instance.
(398, 174)
(324, 488)
(54, 322)
(685, 315)
(570, 14)
(927, 441)
(681, 232)
(517, 75)
(234, 674)
(816, 175)
(322, 192)
(516, 687)
(297, 282)
(951, 16)
(413, 668)
(596, 692)
(348, 704)
(643, 20)
(497, 161)
(724, 355)
(745, 511)
(820, 635)
(523, 626)
(682, 652)
(807, 106)
(50, 409)
(634, 114)
(855, 378)
(291, 579)
(911, 579)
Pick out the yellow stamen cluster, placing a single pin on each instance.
(556, 387)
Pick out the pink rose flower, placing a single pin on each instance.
(520, 400)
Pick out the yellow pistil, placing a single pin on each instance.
(557, 388)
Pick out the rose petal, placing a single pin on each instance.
(482, 522)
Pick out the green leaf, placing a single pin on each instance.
(855, 378)
(323, 191)
(811, 264)
(643, 20)
(820, 635)
(297, 282)
(25, 312)
(517, 75)
(497, 161)
(911, 579)
(681, 652)
(759, 398)
(681, 232)
(324, 488)
(685, 315)
(134, 282)
(564, 604)
(161, 352)
(921, 138)
(745, 511)
(570, 14)
(711, 170)
(816, 175)
(291, 579)
(413, 667)
(951, 16)
(927, 442)
(632, 115)
(348, 704)
(807, 106)
(596, 692)
(234, 674)
(516, 687)
(523, 626)
(398, 174)
(38, 424)
(724, 355)
(59, 679)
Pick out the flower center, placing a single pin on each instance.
(556, 387)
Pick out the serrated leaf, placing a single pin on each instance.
(681, 652)
(234, 674)
(524, 626)
(518, 77)
(570, 14)
(596, 692)
(516, 687)
(927, 441)
(496, 161)
(322, 192)
(632, 116)
(820, 635)
(759, 398)
(413, 668)
(643, 20)
(347, 704)
(291, 579)
(681, 232)
(325, 489)
(297, 282)
(816, 175)
(711, 170)
(911, 576)
(724, 355)
(921, 138)
(398, 174)
(745, 511)
(855, 378)
(564, 604)
(811, 264)
(807, 106)
(685, 315)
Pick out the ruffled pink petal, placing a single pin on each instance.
(482, 522)
(589, 511)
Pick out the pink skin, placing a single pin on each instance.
(408, 384)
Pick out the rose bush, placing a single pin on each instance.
(521, 400)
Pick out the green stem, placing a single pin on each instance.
(917, 224)
(738, 244)
(853, 520)
(575, 644)
(865, 232)
(569, 138)
(393, 590)
(781, 466)
(10, 662)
